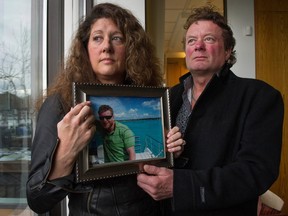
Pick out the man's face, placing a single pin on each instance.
(204, 47)
(107, 120)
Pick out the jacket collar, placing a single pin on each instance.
(222, 74)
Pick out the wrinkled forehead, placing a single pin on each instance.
(204, 27)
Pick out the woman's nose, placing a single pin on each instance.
(107, 46)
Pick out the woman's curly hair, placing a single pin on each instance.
(210, 13)
(142, 65)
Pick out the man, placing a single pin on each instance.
(118, 139)
(232, 127)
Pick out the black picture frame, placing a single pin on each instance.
(130, 108)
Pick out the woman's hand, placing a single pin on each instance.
(175, 143)
(75, 131)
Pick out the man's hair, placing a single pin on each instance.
(104, 108)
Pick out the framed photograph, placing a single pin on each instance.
(131, 127)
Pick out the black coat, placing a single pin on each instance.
(120, 196)
(232, 155)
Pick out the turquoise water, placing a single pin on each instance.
(147, 132)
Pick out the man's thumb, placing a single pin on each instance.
(151, 170)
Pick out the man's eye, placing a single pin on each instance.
(191, 41)
(210, 39)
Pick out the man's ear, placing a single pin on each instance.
(227, 54)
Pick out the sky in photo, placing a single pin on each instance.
(129, 107)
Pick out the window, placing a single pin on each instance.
(19, 62)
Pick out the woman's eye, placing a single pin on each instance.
(97, 38)
(118, 39)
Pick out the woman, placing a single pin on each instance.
(110, 47)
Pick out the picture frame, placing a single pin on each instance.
(143, 110)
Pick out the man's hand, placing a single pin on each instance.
(156, 181)
(175, 143)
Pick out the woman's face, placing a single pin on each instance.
(106, 50)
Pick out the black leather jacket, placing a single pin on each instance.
(115, 196)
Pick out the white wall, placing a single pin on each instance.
(240, 16)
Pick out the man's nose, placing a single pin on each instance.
(199, 45)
